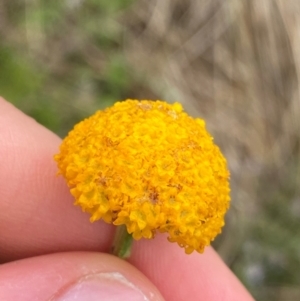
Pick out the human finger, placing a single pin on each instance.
(36, 211)
(74, 276)
(187, 277)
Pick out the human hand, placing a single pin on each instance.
(37, 218)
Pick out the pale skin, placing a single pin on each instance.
(37, 218)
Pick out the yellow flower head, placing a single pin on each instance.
(149, 166)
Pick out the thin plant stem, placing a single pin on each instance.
(122, 243)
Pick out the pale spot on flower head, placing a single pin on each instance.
(173, 114)
(144, 106)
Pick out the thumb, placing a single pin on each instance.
(74, 276)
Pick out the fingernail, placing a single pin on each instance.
(102, 286)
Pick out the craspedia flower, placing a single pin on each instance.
(151, 167)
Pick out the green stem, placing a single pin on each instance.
(122, 243)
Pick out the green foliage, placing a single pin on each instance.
(271, 253)
(108, 7)
(63, 59)
(18, 78)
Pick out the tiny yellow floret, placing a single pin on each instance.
(149, 166)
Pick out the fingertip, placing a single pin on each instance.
(36, 207)
(75, 276)
(186, 277)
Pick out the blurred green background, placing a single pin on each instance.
(234, 63)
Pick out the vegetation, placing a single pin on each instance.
(234, 63)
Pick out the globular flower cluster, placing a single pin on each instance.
(149, 166)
